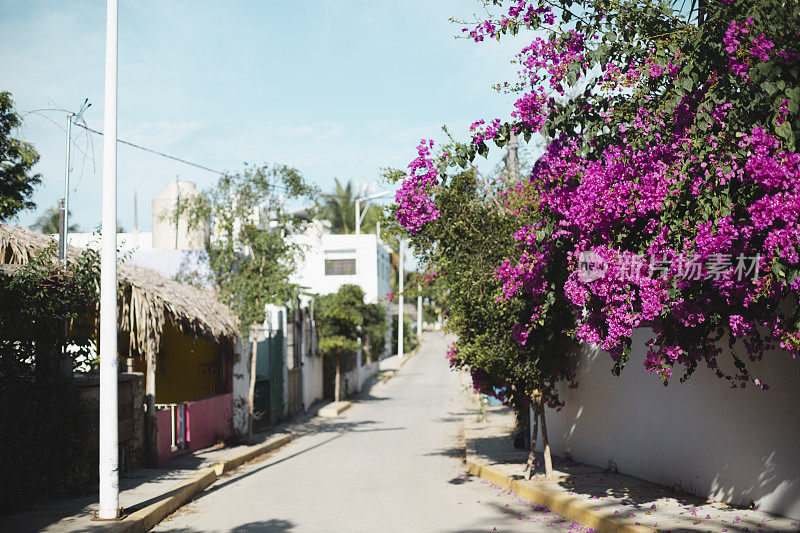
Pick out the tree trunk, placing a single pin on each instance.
(532, 455)
(336, 382)
(251, 392)
(548, 461)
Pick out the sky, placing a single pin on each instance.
(334, 88)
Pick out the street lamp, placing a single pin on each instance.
(359, 215)
(401, 302)
(109, 430)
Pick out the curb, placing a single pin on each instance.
(567, 506)
(408, 356)
(334, 409)
(392, 373)
(145, 519)
(389, 375)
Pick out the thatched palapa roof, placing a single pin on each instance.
(150, 298)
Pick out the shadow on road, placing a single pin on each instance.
(275, 524)
(340, 429)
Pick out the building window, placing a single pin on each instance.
(340, 267)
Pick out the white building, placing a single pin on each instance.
(171, 232)
(329, 261)
(171, 247)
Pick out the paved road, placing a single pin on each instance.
(393, 462)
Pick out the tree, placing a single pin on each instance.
(49, 223)
(342, 319)
(39, 298)
(45, 454)
(340, 209)
(249, 250)
(17, 158)
(464, 239)
(673, 148)
(670, 188)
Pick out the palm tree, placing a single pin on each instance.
(48, 222)
(340, 209)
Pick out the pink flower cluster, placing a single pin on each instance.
(759, 47)
(415, 205)
(598, 201)
(521, 13)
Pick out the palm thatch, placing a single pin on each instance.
(149, 299)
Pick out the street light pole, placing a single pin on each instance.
(358, 208)
(419, 314)
(109, 432)
(358, 216)
(401, 302)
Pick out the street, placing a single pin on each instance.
(393, 462)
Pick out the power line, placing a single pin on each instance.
(174, 158)
(162, 154)
(156, 152)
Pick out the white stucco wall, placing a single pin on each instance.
(241, 389)
(312, 380)
(350, 381)
(726, 444)
(126, 242)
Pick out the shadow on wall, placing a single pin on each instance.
(703, 437)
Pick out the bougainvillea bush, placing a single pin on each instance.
(670, 189)
(462, 229)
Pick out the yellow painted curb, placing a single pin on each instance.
(408, 356)
(334, 409)
(145, 519)
(567, 506)
(236, 461)
(389, 375)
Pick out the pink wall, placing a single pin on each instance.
(209, 420)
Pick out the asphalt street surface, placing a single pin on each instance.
(392, 462)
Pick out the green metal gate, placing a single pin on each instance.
(268, 393)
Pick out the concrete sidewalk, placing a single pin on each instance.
(602, 500)
(143, 492)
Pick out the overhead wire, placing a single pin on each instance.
(86, 127)
(156, 152)
(181, 160)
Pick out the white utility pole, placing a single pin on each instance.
(401, 302)
(65, 217)
(419, 313)
(64, 233)
(109, 431)
(358, 208)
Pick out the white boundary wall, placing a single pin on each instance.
(242, 358)
(704, 437)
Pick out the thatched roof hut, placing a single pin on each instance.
(150, 298)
